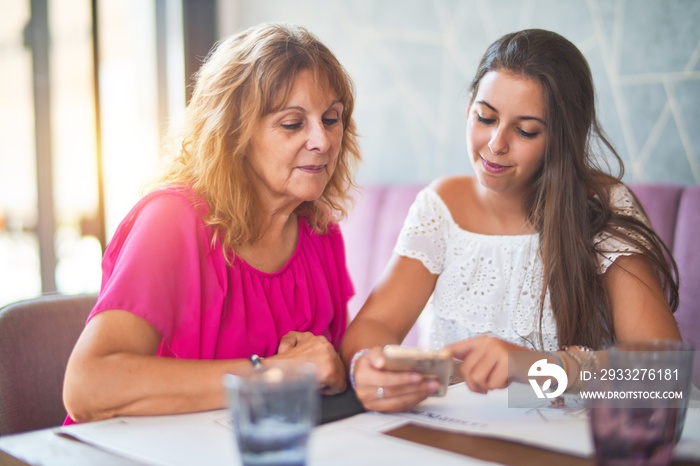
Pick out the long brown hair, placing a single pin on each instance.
(244, 78)
(569, 203)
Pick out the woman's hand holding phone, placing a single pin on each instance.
(381, 389)
(388, 382)
(434, 365)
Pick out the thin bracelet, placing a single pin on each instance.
(559, 401)
(562, 362)
(256, 361)
(353, 362)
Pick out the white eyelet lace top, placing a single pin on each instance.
(488, 285)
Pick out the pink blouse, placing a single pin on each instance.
(161, 265)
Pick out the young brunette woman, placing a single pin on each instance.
(540, 251)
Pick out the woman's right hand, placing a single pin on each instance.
(389, 391)
(305, 346)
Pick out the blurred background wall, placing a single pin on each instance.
(412, 61)
(84, 105)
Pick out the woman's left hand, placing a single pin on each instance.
(484, 364)
(317, 350)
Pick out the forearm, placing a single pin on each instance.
(134, 384)
(366, 333)
(392, 308)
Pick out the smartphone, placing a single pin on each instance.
(432, 364)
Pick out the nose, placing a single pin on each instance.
(498, 145)
(318, 138)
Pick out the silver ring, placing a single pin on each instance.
(380, 393)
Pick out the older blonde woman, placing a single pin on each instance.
(236, 253)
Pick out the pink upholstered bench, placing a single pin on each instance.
(372, 227)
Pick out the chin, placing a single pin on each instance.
(310, 195)
(308, 189)
(492, 183)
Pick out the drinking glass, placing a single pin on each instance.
(632, 436)
(273, 411)
(637, 422)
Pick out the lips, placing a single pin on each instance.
(312, 168)
(493, 167)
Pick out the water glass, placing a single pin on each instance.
(636, 423)
(672, 362)
(632, 436)
(273, 411)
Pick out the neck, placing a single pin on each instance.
(276, 226)
(275, 246)
(505, 211)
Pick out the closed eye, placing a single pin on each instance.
(291, 126)
(486, 121)
(330, 121)
(527, 135)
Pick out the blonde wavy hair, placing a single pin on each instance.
(244, 78)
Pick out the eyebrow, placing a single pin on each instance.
(523, 117)
(301, 109)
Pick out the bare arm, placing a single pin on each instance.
(392, 308)
(386, 318)
(113, 371)
(640, 309)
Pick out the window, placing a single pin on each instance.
(60, 132)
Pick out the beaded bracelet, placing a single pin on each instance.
(590, 363)
(353, 362)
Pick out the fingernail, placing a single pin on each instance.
(433, 386)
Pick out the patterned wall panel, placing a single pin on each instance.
(412, 60)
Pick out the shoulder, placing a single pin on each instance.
(449, 187)
(163, 228)
(622, 235)
(170, 205)
(623, 201)
(174, 198)
(621, 195)
(165, 210)
(456, 192)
